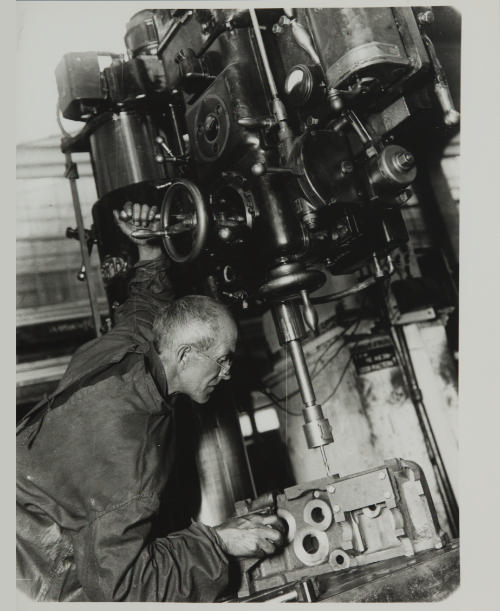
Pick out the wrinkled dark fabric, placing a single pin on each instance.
(93, 463)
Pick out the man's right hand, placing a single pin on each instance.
(251, 536)
(133, 217)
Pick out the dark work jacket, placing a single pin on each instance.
(92, 464)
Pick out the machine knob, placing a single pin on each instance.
(404, 161)
(317, 428)
(391, 170)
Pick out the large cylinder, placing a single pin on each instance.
(283, 233)
(122, 152)
(359, 42)
(223, 469)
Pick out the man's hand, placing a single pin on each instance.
(251, 536)
(133, 217)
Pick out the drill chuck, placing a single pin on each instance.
(317, 428)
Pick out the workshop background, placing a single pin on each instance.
(356, 373)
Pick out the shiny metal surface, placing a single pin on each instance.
(224, 473)
(290, 328)
(302, 373)
(122, 149)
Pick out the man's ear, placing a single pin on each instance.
(182, 356)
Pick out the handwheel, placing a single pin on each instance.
(184, 221)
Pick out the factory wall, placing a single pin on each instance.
(47, 261)
(53, 314)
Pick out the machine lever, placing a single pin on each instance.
(258, 169)
(256, 122)
(303, 39)
(310, 314)
(89, 235)
(169, 154)
(441, 88)
(147, 234)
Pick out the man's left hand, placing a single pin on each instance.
(251, 536)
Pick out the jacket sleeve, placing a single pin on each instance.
(149, 291)
(117, 562)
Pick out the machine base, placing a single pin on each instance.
(429, 576)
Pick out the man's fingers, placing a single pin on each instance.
(152, 213)
(136, 214)
(267, 547)
(270, 534)
(123, 224)
(275, 522)
(268, 520)
(126, 211)
(144, 215)
(269, 540)
(251, 535)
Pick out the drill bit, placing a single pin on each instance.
(325, 461)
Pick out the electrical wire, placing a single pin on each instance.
(278, 401)
(344, 371)
(315, 371)
(334, 356)
(330, 343)
(297, 391)
(59, 121)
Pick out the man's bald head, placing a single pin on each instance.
(194, 319)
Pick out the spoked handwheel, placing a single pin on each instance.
(184, 221)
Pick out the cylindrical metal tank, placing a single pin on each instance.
(358, 42)
(223, 468)
(122, 151)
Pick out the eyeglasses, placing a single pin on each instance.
(223, 362)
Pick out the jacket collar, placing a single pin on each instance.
(157, 371)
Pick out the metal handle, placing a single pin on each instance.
(177, 228)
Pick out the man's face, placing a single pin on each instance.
(201, 372)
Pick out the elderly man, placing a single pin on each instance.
(96, 457)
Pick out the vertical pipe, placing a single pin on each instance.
(290, 329)
(284, 234)
(285, 134)
(442, 479)
(263, 54)
(302, 373)
(71, 174)
(177, 130)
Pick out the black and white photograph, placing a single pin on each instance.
(238, 332)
